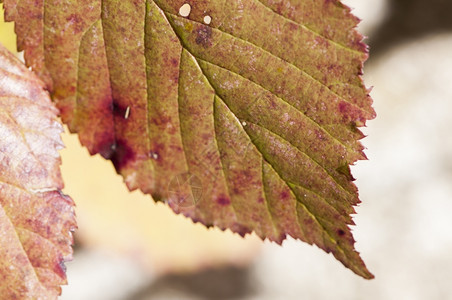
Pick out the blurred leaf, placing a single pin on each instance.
(239, 114)
(35, 217)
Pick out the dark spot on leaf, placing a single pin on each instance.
(340, 232)
(204, 36)
(223, 200)
(118, 110)
(121, 154)
(105, 149)
(175, 62)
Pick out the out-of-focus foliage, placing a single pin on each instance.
(36, 218)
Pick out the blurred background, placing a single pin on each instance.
(127, 247)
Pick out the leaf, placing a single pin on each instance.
(36, 219)
(248, 122)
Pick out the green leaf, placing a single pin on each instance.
(36, 219)
(248, 122)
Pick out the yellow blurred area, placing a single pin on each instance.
(7, 36)
(113, 219)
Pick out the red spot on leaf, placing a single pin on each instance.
(223, 200)
(175, 62)
(122, 154)
(284, 195)
(343, 107)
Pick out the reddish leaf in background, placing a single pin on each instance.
(36, 219)
(238, 114)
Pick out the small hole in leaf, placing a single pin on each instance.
(207, 19)
(184, 10)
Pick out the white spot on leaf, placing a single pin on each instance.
(126, 115)
(207, 19)
(185, 10)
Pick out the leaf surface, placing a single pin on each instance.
(248, 122)
(36, 219)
